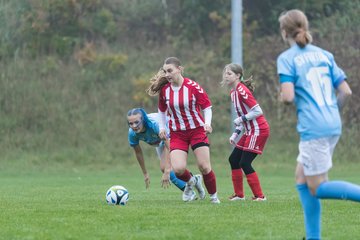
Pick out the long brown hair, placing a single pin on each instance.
(296, 26)
(237, 69)
(159, 79)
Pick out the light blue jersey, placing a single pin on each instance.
(315, 76)
(151, 137)
(151, 134)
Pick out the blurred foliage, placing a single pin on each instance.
(266, 13)
(72, 68)
(139, 95)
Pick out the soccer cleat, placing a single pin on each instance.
(192, 197)
(188, 194)
(214, 200)
(235, 197)
(199, 187)
(259, 199)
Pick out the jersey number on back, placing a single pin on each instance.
(321, 85)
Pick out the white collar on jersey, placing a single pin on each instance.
(175, 89)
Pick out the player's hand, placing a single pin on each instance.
(162, 134)
(207, 128)
(147, 180)
(232, 138)
(165, 180)
(238, 121)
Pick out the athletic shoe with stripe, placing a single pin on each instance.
(235, 197)
(259, 199)
(214, 200)
(189, 194)
(198, 185)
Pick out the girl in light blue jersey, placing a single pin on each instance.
(310, 77)
(145, 127)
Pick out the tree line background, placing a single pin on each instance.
(70, 69)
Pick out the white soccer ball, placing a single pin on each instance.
(117, 195)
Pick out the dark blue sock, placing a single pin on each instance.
(338, 190)
(312, 212)
(177, 182)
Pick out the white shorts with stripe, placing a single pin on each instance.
(316, 155)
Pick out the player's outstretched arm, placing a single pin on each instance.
(140, 157)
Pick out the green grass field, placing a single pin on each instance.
(71, 205)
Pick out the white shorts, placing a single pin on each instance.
(160, 149)
(316, 155)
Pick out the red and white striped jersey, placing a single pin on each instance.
(243, 100)
(183, 105)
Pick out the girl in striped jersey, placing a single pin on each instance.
(182, 99)
(252, 121)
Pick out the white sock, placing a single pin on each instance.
(213, 195)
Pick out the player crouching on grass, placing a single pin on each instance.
(145, 127)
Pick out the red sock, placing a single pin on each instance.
(210, 182)
(185, 176)
(237, 180)
(254, 184)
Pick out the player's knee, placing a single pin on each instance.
(312, 190)
(247, 168)
(299, 178)
(204, 168)
(314, 184)
(178, 171)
